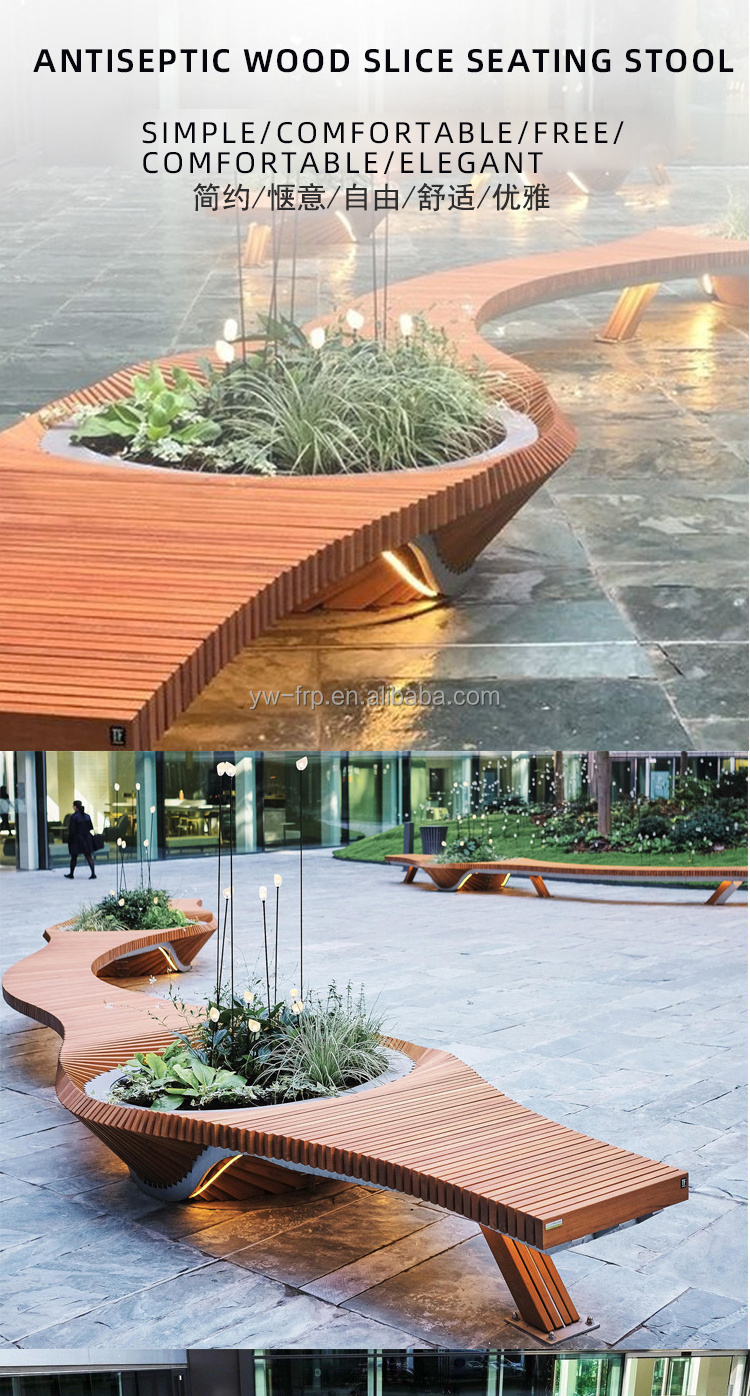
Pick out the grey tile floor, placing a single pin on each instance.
(612, 609)
(625, 1020)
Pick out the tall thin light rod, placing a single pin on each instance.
(265, 948)
(385, 276)
(374, 256)
(295, 228)
(240, 282)
(218, 883)
(276, 950)
(301, 766)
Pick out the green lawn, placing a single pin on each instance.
(524, 839)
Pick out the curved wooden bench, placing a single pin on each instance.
(440, 1133)
(186, 569)
(482, 876)
(173, 952)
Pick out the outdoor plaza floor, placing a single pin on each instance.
(611, 609)
(619, 1013)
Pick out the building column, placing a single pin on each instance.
(28, 810)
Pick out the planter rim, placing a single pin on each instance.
(519, 431)
(399, 1065)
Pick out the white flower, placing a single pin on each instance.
(263, 893)
(231, 329)
(121, 901)
(301, 764)
(116, 786)
(145, 843)
(152, 979)
(214, 1015)
(152, 810)
(253, 1024)
(297, 1006)
(224, 351)
(156, 901)
(294, 993)
(317, 337)
(108, 1005)
(406, 326)
(248, 996)
(227, 893)
(277, 878)
(354, 320)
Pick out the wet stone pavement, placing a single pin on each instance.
(611, 610)
(624, 1020)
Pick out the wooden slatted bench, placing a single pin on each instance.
(119, 661)
(439, 1133)
(480, 877)
(173, 952)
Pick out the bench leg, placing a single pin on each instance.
(723, 892)
(410, 874)
(544, 1306)
(542, 890)
(626, 316)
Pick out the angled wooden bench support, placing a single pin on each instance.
(544, 1306)
(628, 313)
(723, 892)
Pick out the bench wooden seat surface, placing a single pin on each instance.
(161, 618)
(440, 1133)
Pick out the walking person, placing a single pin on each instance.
(80, 838)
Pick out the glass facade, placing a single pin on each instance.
(150, 805)
(156, 1381)
(403, 1372)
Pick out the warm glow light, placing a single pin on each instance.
(579, 184)
(224, 351)
(277, 879)
(707, 284)
(231, 330)
(317, 337)
(301, 764)
(263, 893)
(168, 959)
(212, 1176)
(354, 320)
(406, 325)
(407, 576)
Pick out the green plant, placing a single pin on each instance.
(706, 829)
(141, 909)
(165, 420)
(178, 1079)
(335, 1044)
(350, 405)
(242, 1054)
(735, 221)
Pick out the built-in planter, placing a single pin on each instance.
(172, 952)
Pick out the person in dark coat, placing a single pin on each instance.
(80, 838)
